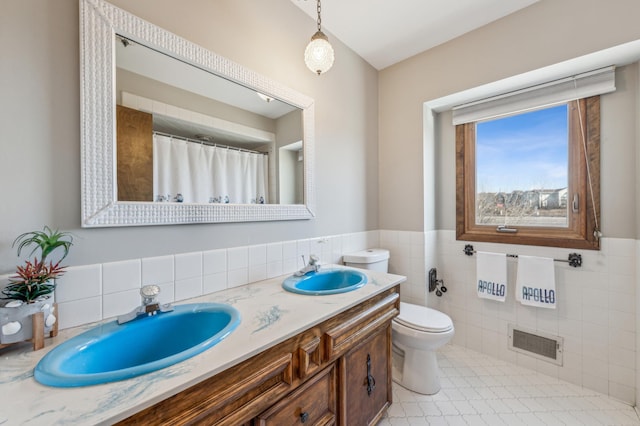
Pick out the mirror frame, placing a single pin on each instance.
(99, 23)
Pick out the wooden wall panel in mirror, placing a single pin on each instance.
(134, 151)
(207, 115)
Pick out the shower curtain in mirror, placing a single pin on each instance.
(195, 173)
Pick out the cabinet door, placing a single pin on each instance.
(365, 374)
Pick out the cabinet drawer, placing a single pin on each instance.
(345, 335)
(230, 398)
(314, 403)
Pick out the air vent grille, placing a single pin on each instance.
(539, 345)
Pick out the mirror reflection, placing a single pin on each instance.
(187, 135)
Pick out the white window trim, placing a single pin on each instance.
(584, 85)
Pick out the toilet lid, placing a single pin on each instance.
(423, 318)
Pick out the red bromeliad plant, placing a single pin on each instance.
(35, 279)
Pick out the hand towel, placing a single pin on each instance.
(536, 282)
(491, 275)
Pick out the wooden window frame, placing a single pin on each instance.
(580, 232)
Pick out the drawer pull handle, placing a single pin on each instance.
(304, 417)
(371, 381)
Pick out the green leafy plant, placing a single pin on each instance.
(46, 240)
(36, 277)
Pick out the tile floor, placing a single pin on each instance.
(479, 390)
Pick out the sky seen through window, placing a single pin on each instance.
(523, 152)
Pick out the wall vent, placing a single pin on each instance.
(539, 345)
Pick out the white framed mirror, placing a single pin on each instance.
(103, 28)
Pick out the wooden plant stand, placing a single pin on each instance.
(38, 330)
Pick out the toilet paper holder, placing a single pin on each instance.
(435, 284)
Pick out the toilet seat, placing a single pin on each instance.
(424, 319)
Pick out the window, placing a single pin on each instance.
(523, 178)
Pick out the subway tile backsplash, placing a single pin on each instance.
(90, 293)
(121, 276)
(157, 270)
(188, 265)
(81, 282)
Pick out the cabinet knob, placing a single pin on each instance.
(304, 417)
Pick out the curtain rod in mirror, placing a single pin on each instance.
(205, 141)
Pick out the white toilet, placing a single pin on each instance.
(373, 259)
(417, 333)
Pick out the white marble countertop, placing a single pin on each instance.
(270, 315)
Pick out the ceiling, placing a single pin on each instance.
(385, 32)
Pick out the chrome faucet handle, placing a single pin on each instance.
(149, 294)
(313, 259)
(150, 305)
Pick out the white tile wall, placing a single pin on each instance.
(114, 304)
(214, 282)
(94, 292)
(79, 283)
(214, 261)
(157, 270)
(409, 257)
(121, 276)
(596, 312)
(237, 258)
(188, 265)
(188, 275)
(188, 288)
(79, 312)
(257, 263)
(275, 264)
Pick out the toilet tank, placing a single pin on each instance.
(373, 259)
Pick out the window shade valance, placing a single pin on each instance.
(583, 85)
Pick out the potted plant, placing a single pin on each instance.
(30, 290)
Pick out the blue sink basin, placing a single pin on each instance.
(112, 352)
(325, 282)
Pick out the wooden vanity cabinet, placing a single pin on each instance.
(335, 373)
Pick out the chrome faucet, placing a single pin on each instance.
(150, 305)
(312, 266)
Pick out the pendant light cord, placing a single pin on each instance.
(319, 8)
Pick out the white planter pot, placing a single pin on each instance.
(16, 323)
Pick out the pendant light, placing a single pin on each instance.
(319, 54)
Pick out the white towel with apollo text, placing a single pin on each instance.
(536, 282)
(491, 275)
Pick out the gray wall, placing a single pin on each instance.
(40, 110)
(543, 34)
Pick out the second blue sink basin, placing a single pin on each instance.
(111, 352)
(325, 282)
